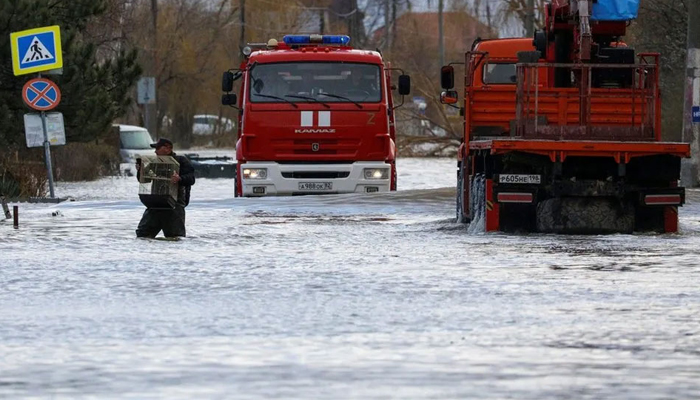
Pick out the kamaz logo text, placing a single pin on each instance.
(314, 130)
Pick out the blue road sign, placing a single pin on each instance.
(36, 50)
(696, 114)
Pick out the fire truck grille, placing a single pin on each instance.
(316, 174)
(311, 148)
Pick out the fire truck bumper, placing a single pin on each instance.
(274, 179)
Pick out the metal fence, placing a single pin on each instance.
(21, 176)
(627, 108)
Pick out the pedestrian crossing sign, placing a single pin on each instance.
(36, 50)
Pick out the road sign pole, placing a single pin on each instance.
(47, 154)
(147, 116)
(37, 50)
(147, 97)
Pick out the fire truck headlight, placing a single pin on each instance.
(255, 173)
(376, 173)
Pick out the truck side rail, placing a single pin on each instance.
(627, 111)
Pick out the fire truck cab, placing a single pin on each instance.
(316, 117)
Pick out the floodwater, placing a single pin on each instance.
(339, 297)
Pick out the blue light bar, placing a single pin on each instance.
(311, 39)
(296, 39)
(336, 39)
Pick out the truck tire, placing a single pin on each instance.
(459, 210)
(477, 204)
(585, 215)
(461, 217)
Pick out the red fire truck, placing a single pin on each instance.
(562, 133)
(316, 117)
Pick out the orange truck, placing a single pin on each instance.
(562, 132)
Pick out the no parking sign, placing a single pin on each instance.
(41, 94)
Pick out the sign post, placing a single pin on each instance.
(47, 154)
(34, 51)
(146, 90)
(42, 95)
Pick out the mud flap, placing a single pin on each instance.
(670, 219)
(238, 192)
(492, 209)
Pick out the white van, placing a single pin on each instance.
(205, 124)
(134, 141)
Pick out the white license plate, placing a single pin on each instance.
(524, 179)
(315, 185)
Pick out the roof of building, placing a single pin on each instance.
(460, 28)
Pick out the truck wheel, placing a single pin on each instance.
(477, 203)
(461, 218)
(585, 215)
(460, 193)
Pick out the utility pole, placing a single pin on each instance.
(394, 11)
(387, 25)
(441, 31)
(241, 40)
(488, 17)
(352, 20)
(691, 130)
(322, 20)
(151, 110)
(530, 19)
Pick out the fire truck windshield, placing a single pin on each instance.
(315, 82)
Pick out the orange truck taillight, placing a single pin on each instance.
(662, 199)
(514, 198)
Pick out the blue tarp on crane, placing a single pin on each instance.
(615, 10)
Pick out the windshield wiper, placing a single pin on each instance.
(307, 98)
(335, 96)
(276, 98)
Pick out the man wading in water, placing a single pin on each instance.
(172, 222)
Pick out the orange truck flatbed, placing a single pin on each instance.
(620, 151)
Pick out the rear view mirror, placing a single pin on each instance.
(447, 77)
(404, 85)
(449, 97)
(227, 81)
(229, 99)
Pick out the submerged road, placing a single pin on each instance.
(340, 297)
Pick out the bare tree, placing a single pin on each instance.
(662, 28)
(196, 41)
(423, 119)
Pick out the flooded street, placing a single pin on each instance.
(339, 297)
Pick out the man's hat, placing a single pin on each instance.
(161, 142)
